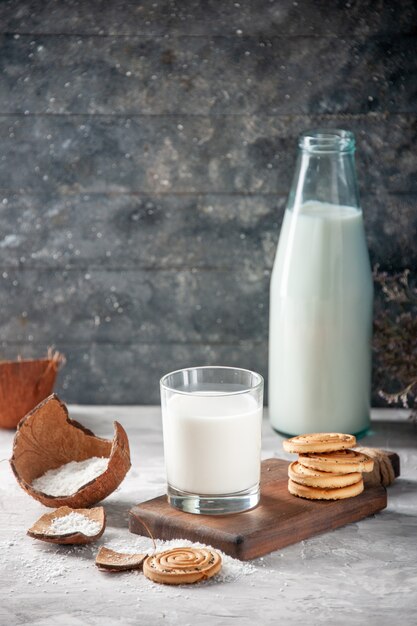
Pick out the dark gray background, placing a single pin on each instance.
(146, 152)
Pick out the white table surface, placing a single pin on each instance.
(364, 573)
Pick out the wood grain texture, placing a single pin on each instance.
(179, 154)
(202, 231)
(280, 519)
(157, 75)
(161, 136)
(263, 18)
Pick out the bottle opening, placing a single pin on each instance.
(327, 140)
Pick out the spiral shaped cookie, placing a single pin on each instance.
(181, 566)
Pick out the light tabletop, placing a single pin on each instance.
(362, 573)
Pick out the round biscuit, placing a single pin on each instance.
(180, 566)
(325, 480)
(319, 442)
(314, 493)
(309, 471)
(340, 462)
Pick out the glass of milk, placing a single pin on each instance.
(212, 418)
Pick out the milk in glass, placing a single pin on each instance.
(212, 442)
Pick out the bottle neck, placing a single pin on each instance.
(325, 170)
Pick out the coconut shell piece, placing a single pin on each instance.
(42, 529)
(47, 438)
(25, 383)
(110, 561)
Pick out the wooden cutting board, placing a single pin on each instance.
(278, 521)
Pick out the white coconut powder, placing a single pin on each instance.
(71, 569)
(232, 569)
(69, 478)
(74, 523)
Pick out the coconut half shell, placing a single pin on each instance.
(47, 438)
(23, 384)
(42, 529)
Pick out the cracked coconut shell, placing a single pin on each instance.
(110, 561)
(25, 383)
(41, 529)
(47, 438)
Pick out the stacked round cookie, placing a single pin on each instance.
(327, 469)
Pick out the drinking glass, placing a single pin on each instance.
(212, 419)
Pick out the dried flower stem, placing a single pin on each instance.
(395, 338)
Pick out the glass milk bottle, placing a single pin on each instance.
(321, 296)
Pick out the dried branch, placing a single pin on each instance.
(395, 338)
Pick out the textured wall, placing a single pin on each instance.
(146, 152)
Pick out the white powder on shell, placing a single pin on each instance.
(69, 478)
(74, 523)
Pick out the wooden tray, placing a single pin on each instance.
(280, 519)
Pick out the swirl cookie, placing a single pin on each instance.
(319, 442)
(341, 462)
(181, 566)
(315, 478)
(314, 493)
